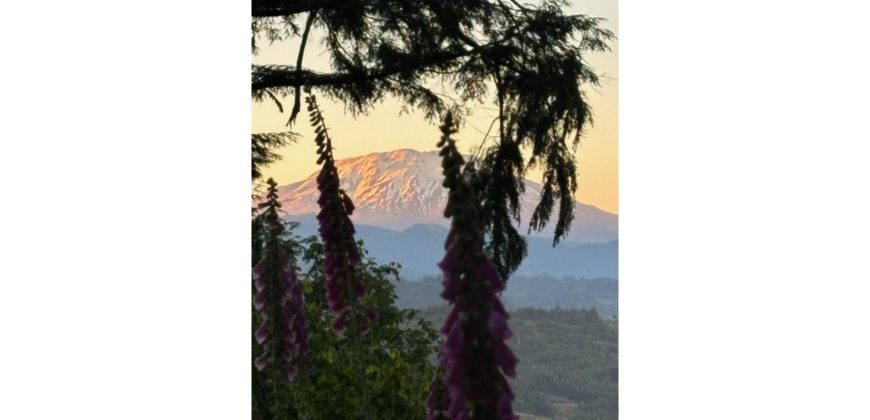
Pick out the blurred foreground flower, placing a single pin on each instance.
(475, 357)
(283, 335)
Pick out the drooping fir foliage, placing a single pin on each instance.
(263, 146)
(283, 333)
(498, 192)
(344, 286)
(475, 357)
(529, 60)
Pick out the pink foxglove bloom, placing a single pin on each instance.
(344, 285)
(283, 335)
(475, 357)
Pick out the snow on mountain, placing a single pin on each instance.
(399, 189)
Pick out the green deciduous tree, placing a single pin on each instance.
(397, 350)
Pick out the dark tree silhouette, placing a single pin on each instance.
(263, 147)
(528, 59)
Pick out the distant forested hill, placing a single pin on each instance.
(541, 291)
(568, 363)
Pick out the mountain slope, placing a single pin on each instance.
(399, 189)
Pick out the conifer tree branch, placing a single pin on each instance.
(274, 8)
(297, 102)
(534, 52)
(282, 76)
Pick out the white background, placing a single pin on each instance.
(124, 218)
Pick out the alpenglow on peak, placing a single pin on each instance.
(398, 189)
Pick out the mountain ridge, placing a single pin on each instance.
(419, 248)
(399, 189)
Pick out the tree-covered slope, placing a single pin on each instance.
(568, 365)
(541, 291)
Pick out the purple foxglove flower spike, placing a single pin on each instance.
(475, 358)
(283, 335)
(344, 286)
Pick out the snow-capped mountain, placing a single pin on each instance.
(399, 189)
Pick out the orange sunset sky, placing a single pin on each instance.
(383, 129)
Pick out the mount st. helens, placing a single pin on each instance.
(399, 189)
(399, 215)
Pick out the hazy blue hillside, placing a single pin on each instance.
(539, 292)
(419, 248)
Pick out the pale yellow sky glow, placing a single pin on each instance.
(383, 129)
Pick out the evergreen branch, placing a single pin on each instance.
(274, 8)
(283, 76)
(297, 102)
(263, 146)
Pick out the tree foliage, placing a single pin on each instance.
(398, 352)
(263, 146)
(527, 59)
(569, 363)
(530, 62)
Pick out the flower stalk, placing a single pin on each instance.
(341, 256)
(283, 334)
(475, 357)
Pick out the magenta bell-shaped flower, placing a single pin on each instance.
(292, 324)
(344, 286)
(475, 358)
(283, 335)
